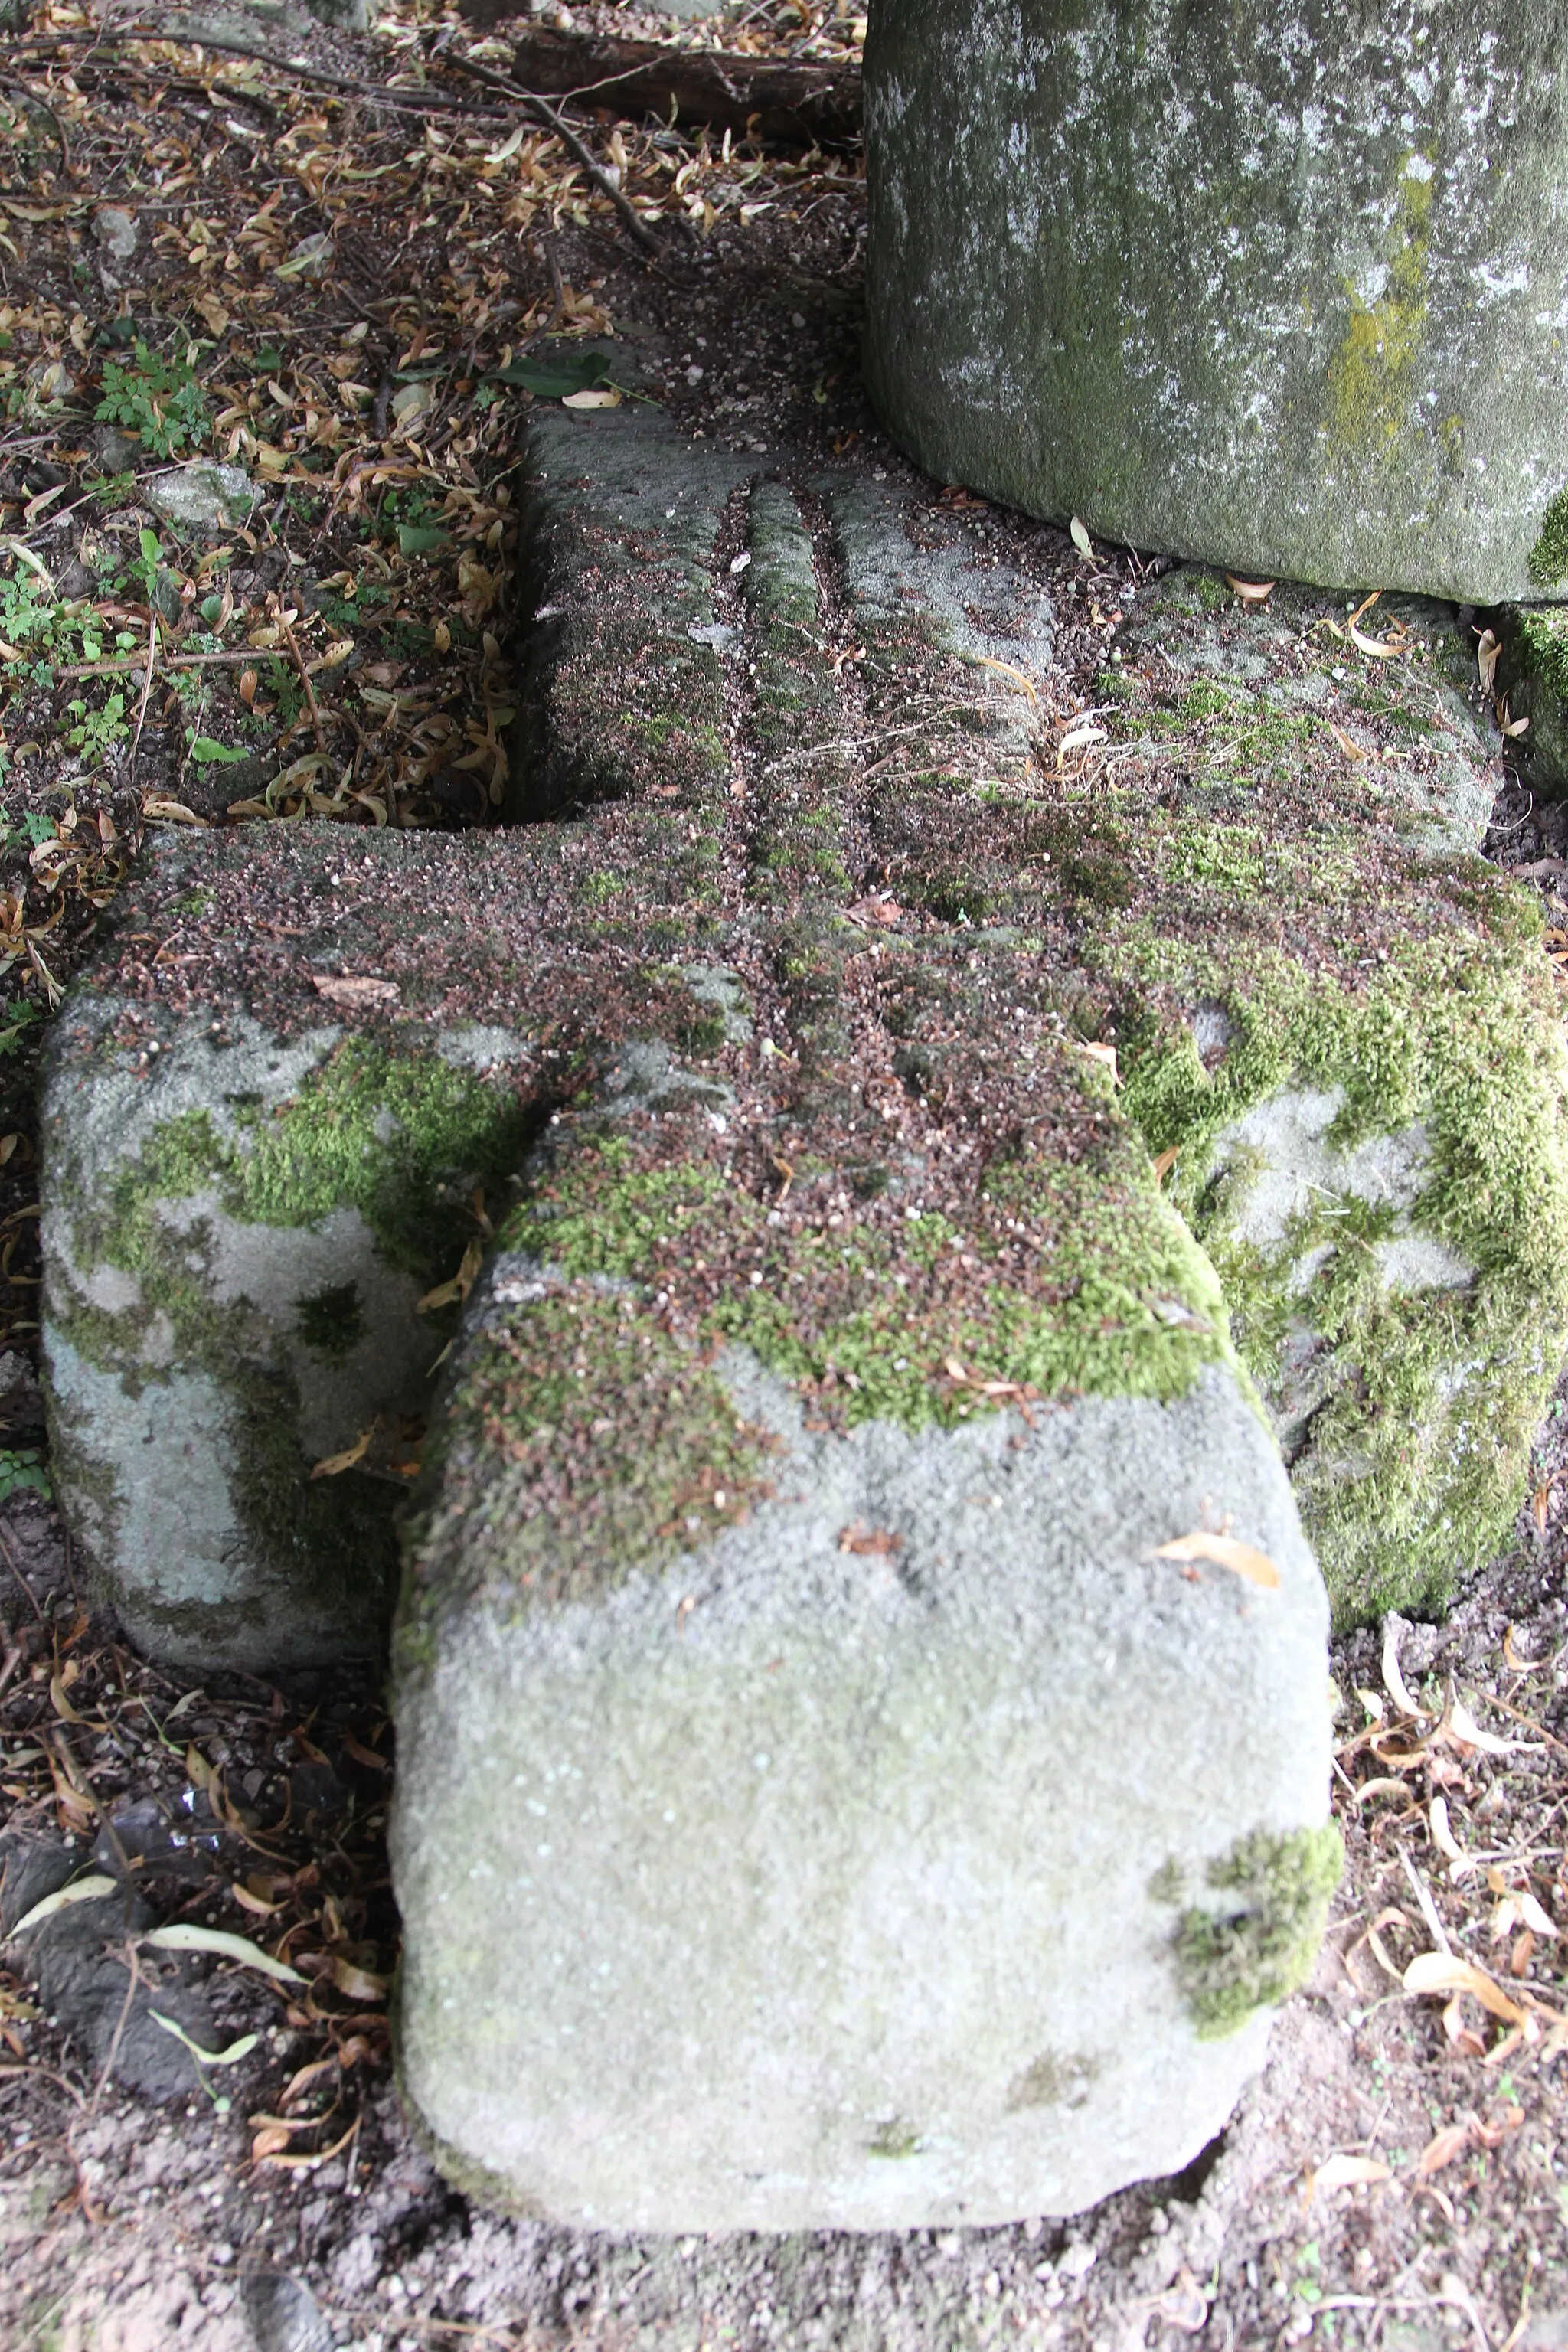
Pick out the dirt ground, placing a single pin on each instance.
(339, 293)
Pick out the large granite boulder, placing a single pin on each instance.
(1278, 287)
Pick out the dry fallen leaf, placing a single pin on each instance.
(82, 1890)
(1443, 1837)
(364, 1755)
(1464, 1726)
(1393, 1680)
(1224, 1551)
(1184, 2306)
(1080, 538)
(1346, 2172)
(1379, 649)
(333, 1465)
(1106, 1054)
(1251, 591)
(879, 1543)
(1024, 685)
(280, 2163)
(1452, 2141)
(1487, 652)
(356, 1983)
(182, 1936)
(605, 399)
(354, 991)
(462, 1282)
(874, 909)
(163, 811)
(249, 1900)
(1536, 1916)
(1446, 1972)
(1166, 1162)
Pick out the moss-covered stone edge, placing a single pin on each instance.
(326, 1147)
(586, 1432)
(1256, 1945)
(1463, 1035)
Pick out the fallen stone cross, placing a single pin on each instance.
(1277, 287)
(864, 1178)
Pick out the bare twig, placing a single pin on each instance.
(542, 112)
(146, 689)
(314, 707)
(557, 288)
(27, 97)
(1428, 1908)
(28, 1592)
(133, 1964)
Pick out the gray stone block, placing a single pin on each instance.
(917, 1851)
(1277, 287)
(235, 1262)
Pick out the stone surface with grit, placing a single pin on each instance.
(805, 1892)
(1279, 288)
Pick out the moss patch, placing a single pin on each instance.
(1548, 560)
(1257, 1946)
(331, 1321)
(587, 1434)
(581, 1437)
(400, 1139)
(1419, 1447)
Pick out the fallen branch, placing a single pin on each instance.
(104, 44)
(784, 104)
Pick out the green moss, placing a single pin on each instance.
(580, 1438)
(1419, 1448)
(331, 1321)
(1129, 1305)
(1548, 561)
(1540, 640)
(1224, 726)
(1371, 373)
(1257, 1946)
(399, 1137)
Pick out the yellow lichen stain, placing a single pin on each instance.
(1369, 376)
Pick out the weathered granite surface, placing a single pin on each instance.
(1279, 287)
(882, 1156)
(807, 1897)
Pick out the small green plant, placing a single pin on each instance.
(37, 623)
(283, 685)
(97, 731)
(24, 1018)
(22, 1472)
(158, 398)
(147, 565)
(207, 753)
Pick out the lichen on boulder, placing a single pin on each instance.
(1273, 286)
